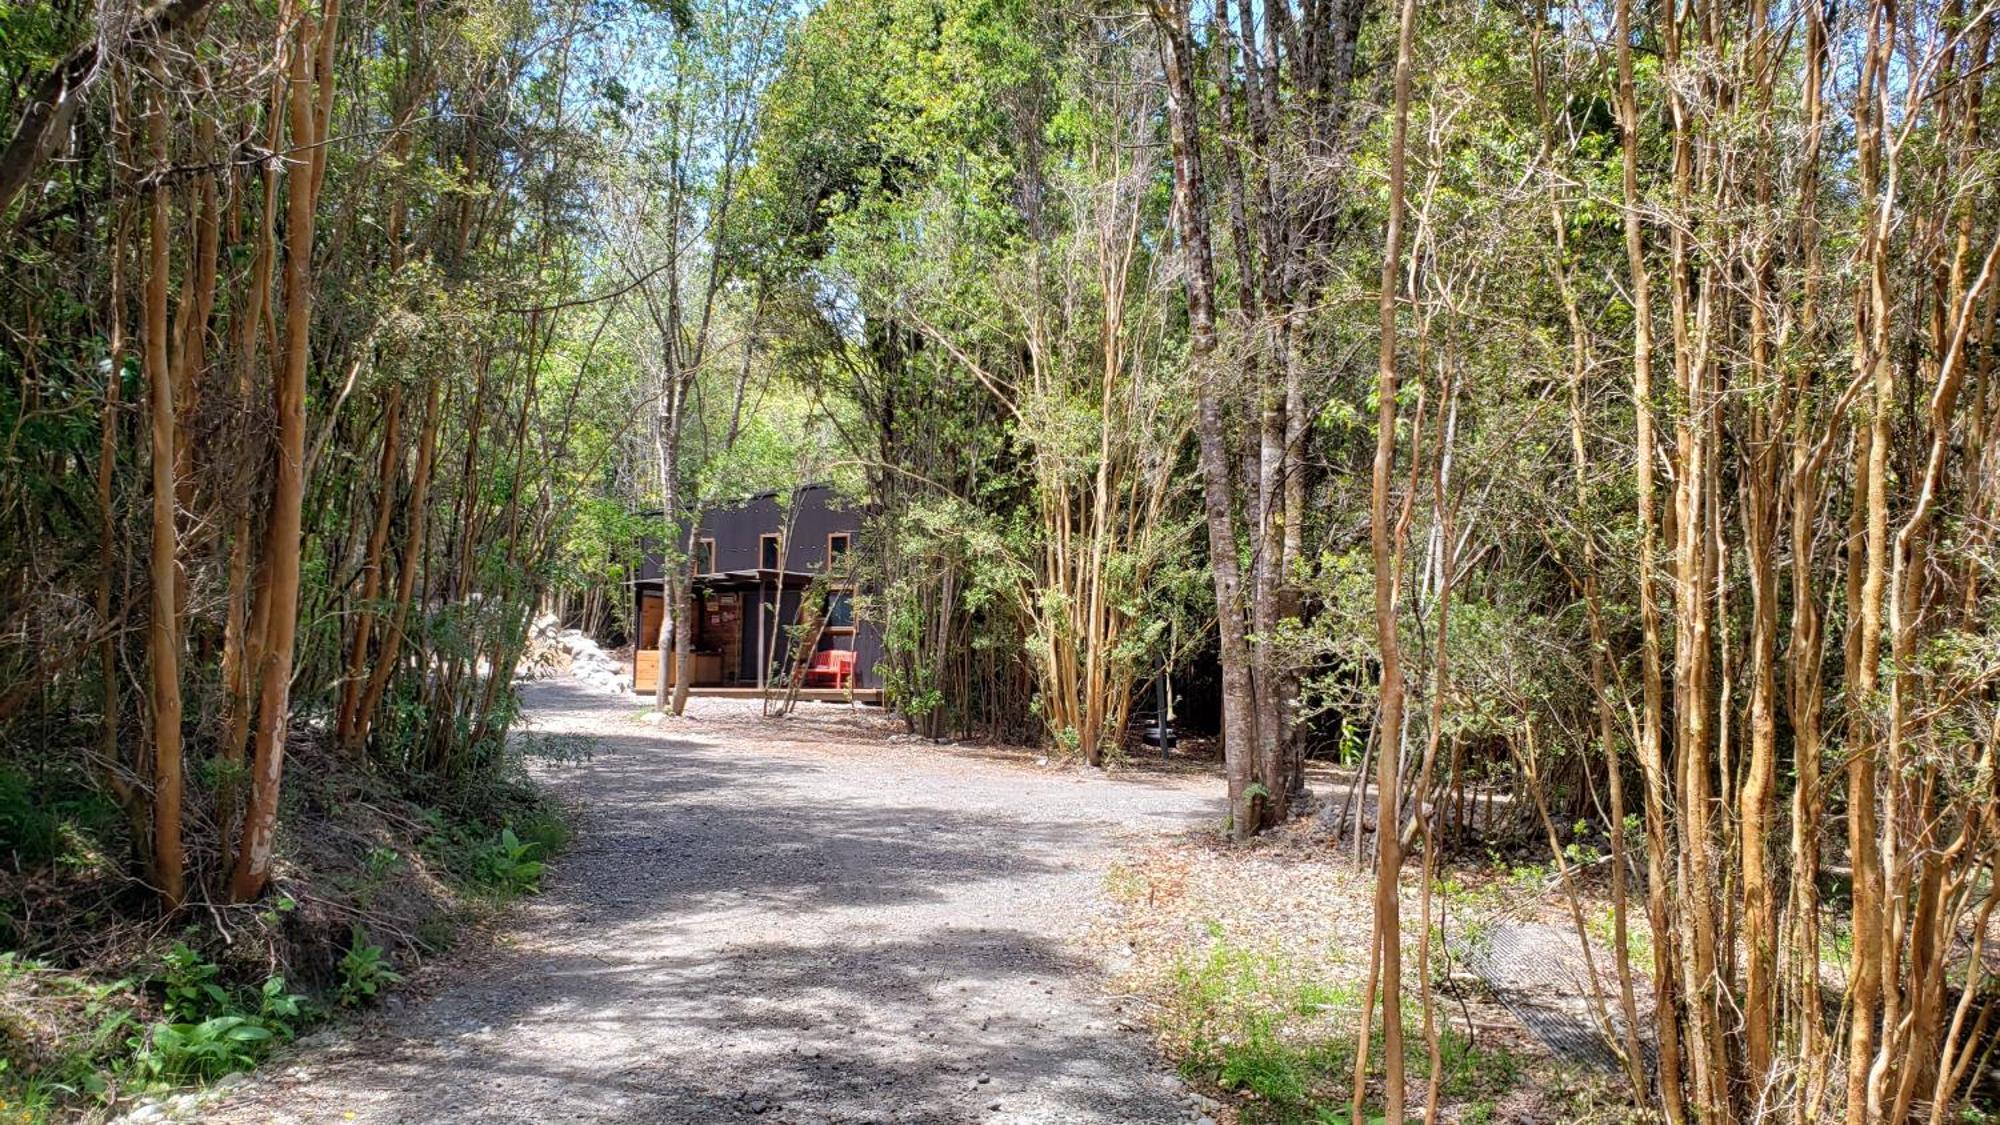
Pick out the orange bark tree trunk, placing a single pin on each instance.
(280, 588)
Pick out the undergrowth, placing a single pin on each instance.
(1251, 1022)
(101, 1000)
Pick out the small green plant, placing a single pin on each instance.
(184, 1052)
(271, 914)
(382, 861)
(1244, 1020)
(508, 864)
(280, 1009)
(194, 991)
(210, 1029)
(364, 971)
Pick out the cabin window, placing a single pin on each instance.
(840, 611)
(704, 556)
(767, 550)
(836, 552)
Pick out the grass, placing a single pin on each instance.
(1249, 1021)
(58, 1034)
(1126, 884)
(1638, 936)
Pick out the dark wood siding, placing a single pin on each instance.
(738, 530)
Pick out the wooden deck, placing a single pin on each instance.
(646, 670)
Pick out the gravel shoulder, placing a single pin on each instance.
(779, 920)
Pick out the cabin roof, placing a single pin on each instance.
(745, 501)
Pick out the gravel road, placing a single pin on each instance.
(779, 921)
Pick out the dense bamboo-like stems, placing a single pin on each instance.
(279, 589)
(1665, 991)
(243, 634)
(1872, 448)
(371, 573)
(1756, 800)
(1806, 646)
(1930, 943)
(407, 571)
(188, 344)
(1386, 548)
(110, 746)
(163, 624)
(354, 684)
(1104, 521)
(505, 652)
(1698, 713)
(120, 778)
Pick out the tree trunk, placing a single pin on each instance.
(353, 683)
(163, 624)
(1659, 917)
(1239, 726)
(406, 574)
(1385, 545)
(282, 546)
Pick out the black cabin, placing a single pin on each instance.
(757, 553)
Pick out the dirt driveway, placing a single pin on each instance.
(788, 921)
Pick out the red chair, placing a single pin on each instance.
(833, 664)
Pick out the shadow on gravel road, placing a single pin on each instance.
(747, 930)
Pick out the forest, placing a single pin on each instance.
(1573, 425)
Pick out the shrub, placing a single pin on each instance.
(183, 1052)
(508, 864)
(210, 1029)
(364, 971)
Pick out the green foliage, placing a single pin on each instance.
(364, 971)
(191, 981)
(49, 1062)
(1234, 1020)
(180, 1052)
(504, 864)
(53, 820)
(508, 864)
(210, 1028)
(1250, 1021)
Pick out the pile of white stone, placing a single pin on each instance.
(555, 651)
